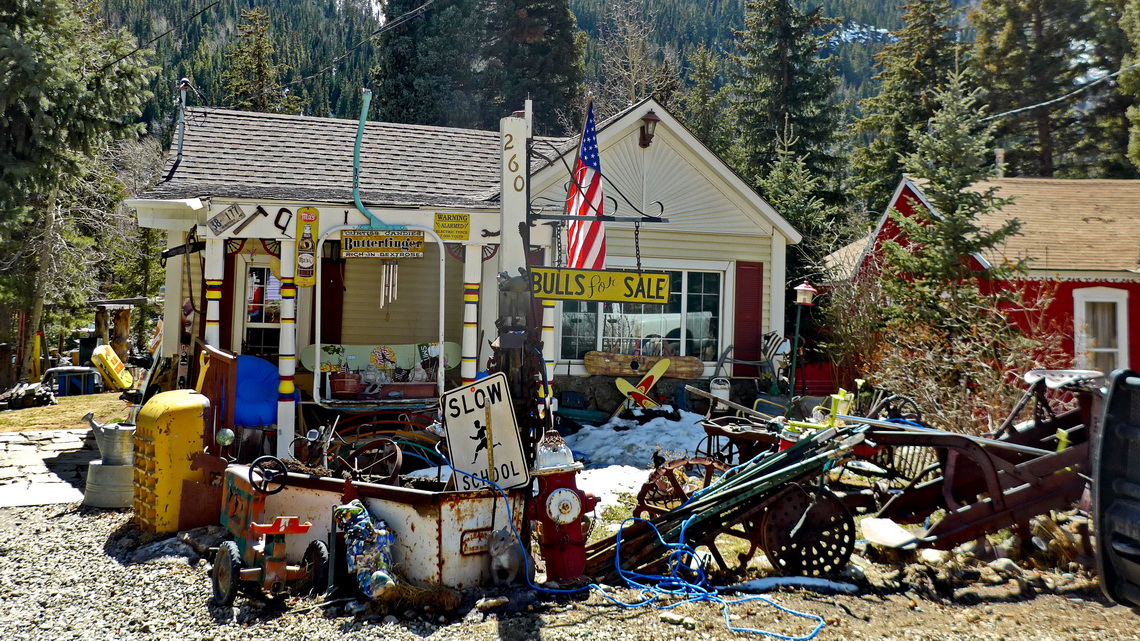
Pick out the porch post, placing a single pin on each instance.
(548, 351)
(214, 274)
(287, 349)
(472, 275)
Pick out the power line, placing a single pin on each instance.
(159, 36)
(1062, 98)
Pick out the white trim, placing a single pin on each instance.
(242, 264)
(1081, 298)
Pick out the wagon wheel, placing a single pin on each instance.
(315, 566)
(380, 459)
(226, 573)
(718, 448)
(816, 544)
(675, 482)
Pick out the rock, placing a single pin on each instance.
(166, 551)
(487, 603)
(1005, 567)
(933, 557)
(203, 538)
(991, 576)
(391, 620)
(689, 623)
(854, 572)
(672, 618)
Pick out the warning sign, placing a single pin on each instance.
(453, 226)
(482, 435)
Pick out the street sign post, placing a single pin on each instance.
(482, 435)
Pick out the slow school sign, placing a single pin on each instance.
(556, 283)
(482, 435)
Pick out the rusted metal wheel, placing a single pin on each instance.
(673, 483)
(377, 462)
(719, 448)
(808, 532)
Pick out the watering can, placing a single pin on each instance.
(116, 441)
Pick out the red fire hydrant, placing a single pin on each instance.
(560, 509)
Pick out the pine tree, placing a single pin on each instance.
(429, 69)
(949, 340)
(798, 195)
(533, 53)
(1130, 80)
(1101, 150)
(251, 79)
(780, 81)
(911, 69)
(1027, 53)
(64, 95)
(703, 106)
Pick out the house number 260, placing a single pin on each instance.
(513, 163)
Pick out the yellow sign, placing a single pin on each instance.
(453, 226)
(557, 283)
(308, 231)
(381, 244)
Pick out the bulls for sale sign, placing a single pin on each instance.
(482, 435)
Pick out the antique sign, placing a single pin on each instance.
(482, 435)
(363, 243)
(557, 283)
(225, 219)
(453, 226)
(308, 231)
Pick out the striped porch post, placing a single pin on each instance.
(472, 272)
(287, 347)
(214, 275)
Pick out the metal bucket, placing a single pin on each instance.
(116, 443)
(720, 388)
(109, 485)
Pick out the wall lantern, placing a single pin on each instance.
(648, 128)
(330, 250)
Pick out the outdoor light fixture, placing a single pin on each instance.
(648, 128)
(331, 250)
(804, 295)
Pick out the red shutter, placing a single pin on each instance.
(748, 325)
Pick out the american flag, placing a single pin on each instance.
(586, 238)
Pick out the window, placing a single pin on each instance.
(1100, 325)
(689, 325)
(262, 312)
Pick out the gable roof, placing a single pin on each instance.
(1066, 225)
(239, 154)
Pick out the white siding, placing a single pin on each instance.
(413, 317)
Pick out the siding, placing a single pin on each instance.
(413, 316)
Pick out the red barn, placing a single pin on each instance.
(1083, 240)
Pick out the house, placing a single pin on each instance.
(1083, 240)
(270, 200)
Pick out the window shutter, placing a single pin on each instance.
(748, 322)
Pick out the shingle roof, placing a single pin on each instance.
(1071, 224)
(240, 154)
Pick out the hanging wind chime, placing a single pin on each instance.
(389, 281)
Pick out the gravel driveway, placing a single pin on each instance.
(66, 572)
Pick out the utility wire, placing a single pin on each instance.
(160, 36)
(1062, 98)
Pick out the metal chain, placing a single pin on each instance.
(558, 257)
(637, 244)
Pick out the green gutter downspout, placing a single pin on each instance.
(375, 223)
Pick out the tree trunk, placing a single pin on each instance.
(1045, 144)
(41, 279)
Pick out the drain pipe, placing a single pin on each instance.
(182, 86)
(374, 224)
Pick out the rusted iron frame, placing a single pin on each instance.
(1015, 492)
(219, 384)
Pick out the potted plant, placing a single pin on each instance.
(343, 384)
